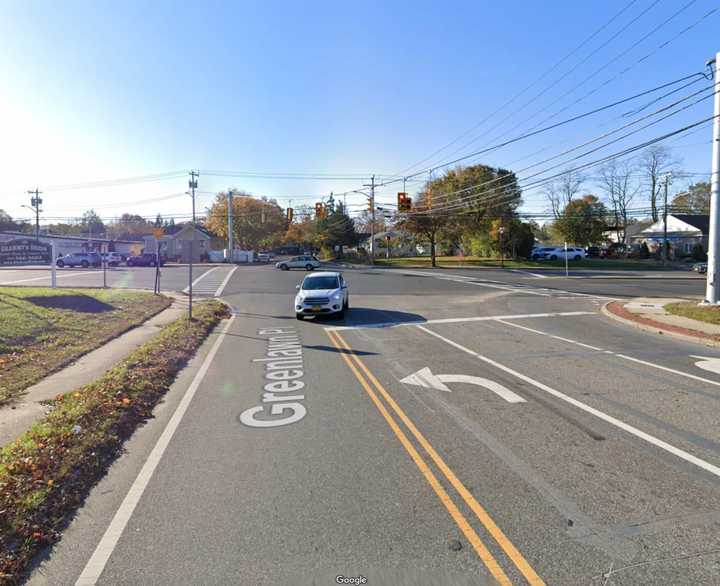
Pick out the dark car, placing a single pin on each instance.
(615, 250)
(146, 259)
(592, 251)
(82, 259)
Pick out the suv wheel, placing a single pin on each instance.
(84, 264)
(283, 267)
(61, 263)
(553, 257)
(577, 257)
(308, 267)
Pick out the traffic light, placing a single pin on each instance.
(403, 202)
(289, 215)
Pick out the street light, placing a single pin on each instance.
(36, 211)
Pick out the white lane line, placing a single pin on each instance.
(688, 457)
(456, 320)
(225, 282)
(491, 284)
(96, 564)
(59, 276)
(536, 275)
(200, 278)
(534, 331)
(623, 356)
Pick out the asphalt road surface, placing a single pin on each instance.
(458, 427)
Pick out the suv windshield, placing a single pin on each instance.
(315, 283)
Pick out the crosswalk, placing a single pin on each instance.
(211, 283)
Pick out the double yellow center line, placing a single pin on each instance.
(371, 384)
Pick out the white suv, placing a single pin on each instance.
(305, 261)
(573, 253)
(322, 294)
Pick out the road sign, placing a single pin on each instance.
(25, 251)
(425, 378)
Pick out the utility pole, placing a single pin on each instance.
(372, 218)
(712, 292)
(230, 243)
(193, 186)
(35, 205)
(667, 178)
(501, 230)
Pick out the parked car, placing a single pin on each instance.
(146, 259)
(538, 253)
(616, 249)
(80, 259)
(323, 293)
(592, 251)
(558, 252)
(263, 257)
(700, 267)
(305, 261)
(113, 259)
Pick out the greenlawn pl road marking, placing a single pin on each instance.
(283, 368)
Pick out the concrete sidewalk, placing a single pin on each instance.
(649, 314)
(20, 415)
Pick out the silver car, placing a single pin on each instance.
(305, 261)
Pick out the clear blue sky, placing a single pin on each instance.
(101, 90)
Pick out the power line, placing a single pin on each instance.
(596, 72)
(523, 91)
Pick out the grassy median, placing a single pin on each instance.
(690, 309)
(474, 261)
(47, 472)
(43, 329)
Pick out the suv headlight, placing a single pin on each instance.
(337, 295)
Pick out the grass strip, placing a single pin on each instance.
(48, 471)
(473, 261)
(690, 309)
(43, 329)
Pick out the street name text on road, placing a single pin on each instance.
(284, 368)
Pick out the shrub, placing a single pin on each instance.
(698, 253)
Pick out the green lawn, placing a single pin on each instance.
(474, 261)
(709, 313)
(42, 329)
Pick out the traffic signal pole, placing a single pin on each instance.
(372, 219)
(230, 244)
(712, 291)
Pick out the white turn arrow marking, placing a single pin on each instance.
(425, 378)
(708, 363)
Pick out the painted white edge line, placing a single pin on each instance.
(96, 564)
(225, 282)
(688, 457)
(456, 320)
(623, 356)
(200, 278)
(59, 276)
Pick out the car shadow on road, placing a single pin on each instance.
(339, 350)
(366, 316)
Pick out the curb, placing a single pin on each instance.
(654, 327)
